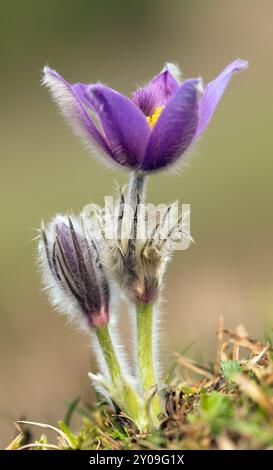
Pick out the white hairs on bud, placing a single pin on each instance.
(60, 299)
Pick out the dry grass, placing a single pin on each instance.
(228, 405)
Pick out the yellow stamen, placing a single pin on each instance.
(154, 117)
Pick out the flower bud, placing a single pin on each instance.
(72, 271)
(137, 255)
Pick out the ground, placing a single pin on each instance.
(227, 405)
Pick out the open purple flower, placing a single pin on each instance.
(152, 129)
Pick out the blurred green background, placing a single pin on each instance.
(45, 169)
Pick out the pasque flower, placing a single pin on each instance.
(144, 133)
(151, 130)
(136, 261)
(73, 272)
(135, 256)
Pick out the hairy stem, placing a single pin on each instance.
(135, 197)
(144, 320)
(125, 395)
(136, 188)
(111, 359)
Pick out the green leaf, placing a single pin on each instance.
(71, 410)
(216, 409)
(187, 390)
(42, 440)
(71, 437)
(254, 429)
(230, 368)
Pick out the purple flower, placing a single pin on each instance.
(72, 271)
(152, 129)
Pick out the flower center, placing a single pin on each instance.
(154, 117)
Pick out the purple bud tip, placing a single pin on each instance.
(100, 319)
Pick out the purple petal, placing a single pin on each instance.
(166, 85)
(214, 92)
(72, 108)
(174, 129)
(76, 265)
(64, 236)
(156, 93)
(125, 126)
(81, 90)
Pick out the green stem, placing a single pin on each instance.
(124, 394)
(144, 319)
(111, 359)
